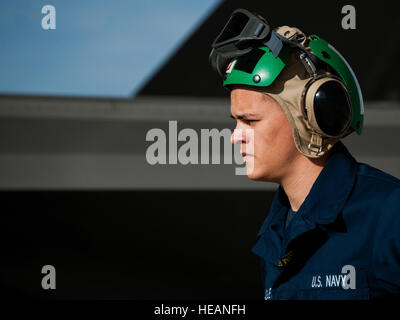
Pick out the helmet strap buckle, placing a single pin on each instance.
(315, 144)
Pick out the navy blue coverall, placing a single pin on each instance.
(344, 241)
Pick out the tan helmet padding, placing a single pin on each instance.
(287, 90)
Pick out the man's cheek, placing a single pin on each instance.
(251, 146)
(263, 142)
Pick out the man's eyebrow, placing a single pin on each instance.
(244, 116)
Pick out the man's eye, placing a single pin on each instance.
(250, 121)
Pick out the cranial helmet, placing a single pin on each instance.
(310, 79)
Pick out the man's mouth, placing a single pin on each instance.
(246, 156)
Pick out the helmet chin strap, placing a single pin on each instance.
(316, 141)
(315, 145)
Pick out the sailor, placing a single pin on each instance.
(333, 229)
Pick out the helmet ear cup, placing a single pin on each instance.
(327, 106)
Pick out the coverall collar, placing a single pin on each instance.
(330, 190)
(322, 205)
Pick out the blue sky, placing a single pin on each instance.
(106, 48)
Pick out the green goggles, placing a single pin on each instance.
(242, 32)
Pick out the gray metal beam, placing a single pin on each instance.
(73, 143)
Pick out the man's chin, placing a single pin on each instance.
(259, 175)
(253, 174)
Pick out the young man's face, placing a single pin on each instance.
(274, 148)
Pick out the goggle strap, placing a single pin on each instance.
(274, 43)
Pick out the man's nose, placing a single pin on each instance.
(238, 135)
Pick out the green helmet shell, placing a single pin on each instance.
(267, 69)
